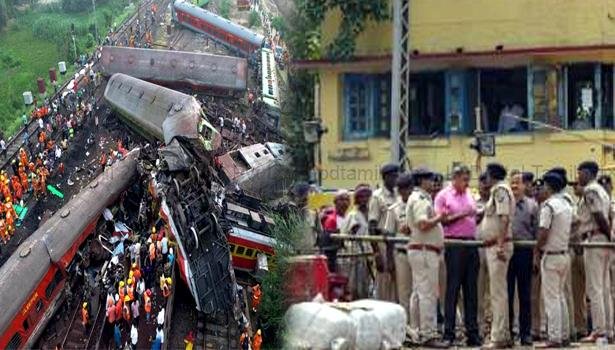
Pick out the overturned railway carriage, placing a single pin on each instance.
(34, 276)
(159, 113)
(182, 187)
(262, 170)
(200, 20)
(221, 75)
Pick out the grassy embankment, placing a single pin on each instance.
(37, 40)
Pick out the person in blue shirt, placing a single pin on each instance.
(117, 336)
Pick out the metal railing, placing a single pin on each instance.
(462, 243)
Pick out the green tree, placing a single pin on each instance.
(225, 8)
(279, 24)
(254, 20)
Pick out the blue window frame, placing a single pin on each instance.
(367, 102)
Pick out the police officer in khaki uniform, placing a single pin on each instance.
(381, 200)
(606, 182)
(396, 224)
(424, 249)
(594, 227)
(552, 251)
(568, 289)
(496, 228)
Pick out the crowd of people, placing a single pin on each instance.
(42, 156)
(511, 267)
(138, 287)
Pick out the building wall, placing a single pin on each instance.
(442, 26)
(345, 164)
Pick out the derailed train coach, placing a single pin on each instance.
(181, 184)
(200, 20)
(159, 113)
(216, 74)
(35, 276)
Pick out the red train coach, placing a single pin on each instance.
(220, 28)
(34, 277)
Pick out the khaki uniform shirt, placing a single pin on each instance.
(396, 218)
(594, 200)
(379, 204)
(419, 208)
(556, 216)
(501, 202)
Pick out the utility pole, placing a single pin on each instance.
(400, 82)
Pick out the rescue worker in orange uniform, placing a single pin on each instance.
(42, 138)
(10, 217)
(85, 317)
(147, 303)
(17, 189)
(23, 157)
(136, 272)
(152, 252)
(42, 178)
(23, 177)
(130, 290)
(3, 232)
(256, 296)
(257, 341)
(121, 290)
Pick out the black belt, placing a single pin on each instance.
(557, 252)
(402, 250)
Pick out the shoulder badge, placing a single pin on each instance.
(500, 195)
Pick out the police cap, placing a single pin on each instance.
(389, 168)
(561, 172)
(496, 171)
(554, 181)
(404, 180)
(421, 173)
(527, 177)
(590, 166)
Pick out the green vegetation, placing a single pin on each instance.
(286, 232)
(225, 8)
(200, 3)
(279, 24)
(254, 20)
(37, 38)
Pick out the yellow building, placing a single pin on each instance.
(550, 61)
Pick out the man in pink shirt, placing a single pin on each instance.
(456, 205)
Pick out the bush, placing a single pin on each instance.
(279, 24)
(255, 20)
(89, 41)
(286, 232)
(225, 8)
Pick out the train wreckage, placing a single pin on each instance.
(222, 75)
